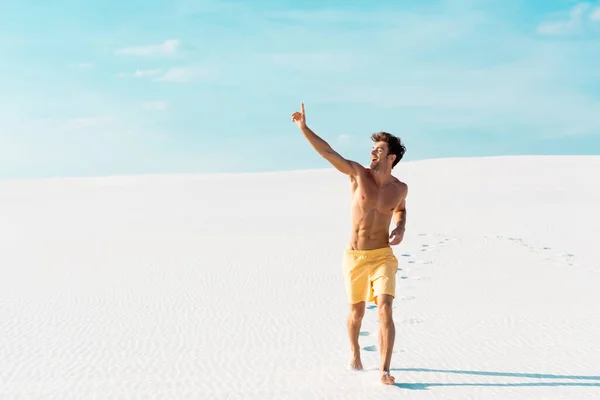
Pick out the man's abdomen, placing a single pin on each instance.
(370, 229)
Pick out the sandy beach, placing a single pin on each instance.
(229, 286)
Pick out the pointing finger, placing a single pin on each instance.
(302, 108)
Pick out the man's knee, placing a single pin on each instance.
(385, 307)
(357, 311)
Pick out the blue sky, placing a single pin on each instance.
(104, 88)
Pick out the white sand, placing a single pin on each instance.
(229, 286)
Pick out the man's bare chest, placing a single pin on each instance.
(371, 197)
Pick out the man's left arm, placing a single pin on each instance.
(399, 218)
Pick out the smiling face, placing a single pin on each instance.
(380, 157)
(387, 151)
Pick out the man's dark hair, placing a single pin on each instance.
(395, 145)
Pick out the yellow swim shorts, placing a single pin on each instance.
(369, 273)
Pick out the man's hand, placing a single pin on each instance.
(299, 117)
(323, 148)
(397, 235)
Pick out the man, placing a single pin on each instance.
(369, 263)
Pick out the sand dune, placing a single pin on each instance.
(229, 286)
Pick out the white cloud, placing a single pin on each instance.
(183, 75)
(84, 65)
(89, 123)
(155, 105)
(565, 26)
(141, 73)
(509, 98)
(595, 14)
(556, 28)
(175, 75)
(145, 73)
(323, 15)
(316, 61)
(343, 139)
(92, 144)
(168, 47)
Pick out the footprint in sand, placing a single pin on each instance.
(412, 321)
(374, 348)
(564, 258)
(406, 255)
(419, 278)
(420, 262)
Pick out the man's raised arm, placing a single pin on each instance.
(323, 148)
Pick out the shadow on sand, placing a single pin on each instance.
(576, 380)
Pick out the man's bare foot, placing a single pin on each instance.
(387, 379)
(355, 363)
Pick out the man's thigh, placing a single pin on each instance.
(356, 279)
(383, 278)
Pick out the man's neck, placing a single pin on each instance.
(382, 177)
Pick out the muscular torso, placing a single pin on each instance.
(372, 211)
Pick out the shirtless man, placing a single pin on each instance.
(369, 265)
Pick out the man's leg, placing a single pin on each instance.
(357, 312)
(387, 334)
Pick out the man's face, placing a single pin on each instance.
(379, 154)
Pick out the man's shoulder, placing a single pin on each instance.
(402, 186)
(361, 170)
(399, 183)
